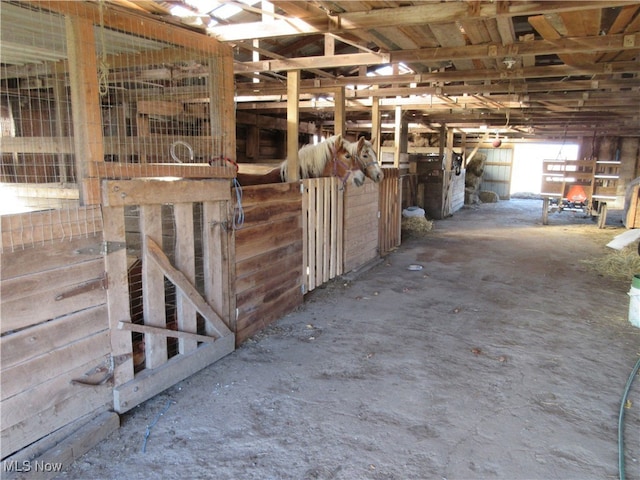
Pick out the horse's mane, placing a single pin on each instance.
(312, 159)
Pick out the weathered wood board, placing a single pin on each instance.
(268, 246)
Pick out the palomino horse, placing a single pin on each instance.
(365, 155)
(328, 159)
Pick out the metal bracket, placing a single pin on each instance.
(226, 225)
(102, 248)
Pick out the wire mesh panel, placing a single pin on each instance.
(35, 111)
(90, 91)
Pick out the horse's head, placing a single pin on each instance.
(344, 163)
(368, 160)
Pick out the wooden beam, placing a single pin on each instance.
(293, 119)
(606, 43)
(117, 193)
(85, 102)
(448, 12)
(189, 292)
(165, 332)
(305, 63)
(340, 118)
(136, 23)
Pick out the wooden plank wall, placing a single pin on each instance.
(390, 199)
(268, 256)
(360, 225)
(54, 326)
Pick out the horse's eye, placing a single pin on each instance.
(366, 155)
(348, 155)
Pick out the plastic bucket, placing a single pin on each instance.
(634, 301)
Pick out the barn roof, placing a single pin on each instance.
(547, 69)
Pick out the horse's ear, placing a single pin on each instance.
(338, 141)
(361, 141)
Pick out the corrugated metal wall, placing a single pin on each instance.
(497, 171)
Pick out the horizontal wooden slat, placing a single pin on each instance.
(82, 436)
(253, 241)
(37, 145)
(254, 289)
(263, 261)
(150, 382)
(165, 332)
(147, 170)
(149, 192)
(261, 318)
(42, 282)
(28, 229)
(34, 413)
(68, 295)
(46, 337)
(281, 192)
(26, 375)
(264, 293)
(49, 256)
(268, 212)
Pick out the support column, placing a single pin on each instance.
(88, 143)
(340, 112)
(293, 118)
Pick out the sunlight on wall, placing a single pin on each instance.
(527, 164)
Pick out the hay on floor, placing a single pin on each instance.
(620, 264)
(416, 226)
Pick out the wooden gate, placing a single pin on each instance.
(178, 235)
(322, 226)
(390, 211)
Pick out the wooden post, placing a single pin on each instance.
(118, 293)
(62, 118)
(340, 112)
(376, 127)
(222, 115)
(293, 117)
(397, 138)
(85, 104)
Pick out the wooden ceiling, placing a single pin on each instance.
(539, 69)
(547, 69)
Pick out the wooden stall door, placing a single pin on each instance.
(193, 269)
(323, 231)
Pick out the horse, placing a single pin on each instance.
(366, 156)
(328, 159)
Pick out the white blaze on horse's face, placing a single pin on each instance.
(358, 178)
(368, 159)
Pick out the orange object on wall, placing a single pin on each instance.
(576, 194)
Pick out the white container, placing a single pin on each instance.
(634, 301)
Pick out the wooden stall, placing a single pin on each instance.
(123, 251)
(268, 256)
(55, 342)
(138, 263)
(439, 191)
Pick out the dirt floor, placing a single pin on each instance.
(505, 357)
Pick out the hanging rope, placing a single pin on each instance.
(238, 214)
(103, 66)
